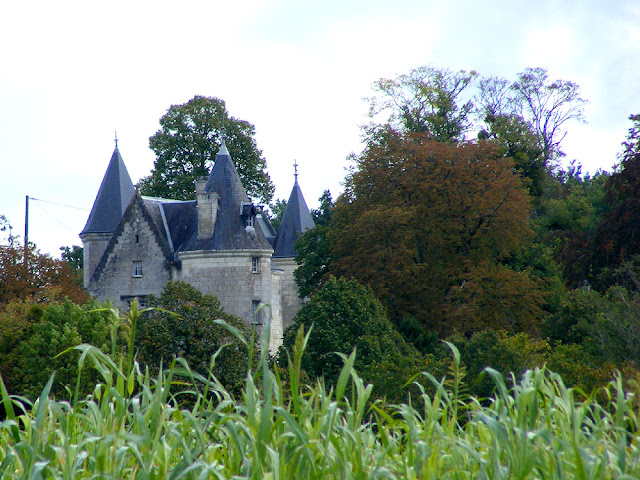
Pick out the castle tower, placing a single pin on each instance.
(295, 220)
(228, 254)
(112, 200)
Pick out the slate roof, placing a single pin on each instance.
(295, 220)
(116, 191)
(175, 220)
(229, 232)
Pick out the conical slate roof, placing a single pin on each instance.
(230, 232)
(295, 220)
(113, 198)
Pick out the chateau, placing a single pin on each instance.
(221, 243)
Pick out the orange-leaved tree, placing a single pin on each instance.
(39, 278)
(429, 227)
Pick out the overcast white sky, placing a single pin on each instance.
(74, 72)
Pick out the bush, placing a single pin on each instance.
(33, 334)
(344, 316)
(183, 326)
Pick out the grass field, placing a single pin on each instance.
(181, 425)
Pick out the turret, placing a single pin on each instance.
(114, 195)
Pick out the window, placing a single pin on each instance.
(255, 264)
(256, 312)
(142, 300)
(137, 269)
(249, 221)
(137, 238)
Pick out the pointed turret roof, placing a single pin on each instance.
(295, 220)
(113, 197)
(230, 232)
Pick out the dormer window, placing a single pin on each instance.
(248, 213)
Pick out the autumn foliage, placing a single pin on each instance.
(39, 278)
(429, 227)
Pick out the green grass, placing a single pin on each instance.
(182, 425)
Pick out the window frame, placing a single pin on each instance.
(257, 308)
(255, 264)
(137, 269)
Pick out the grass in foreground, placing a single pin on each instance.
(182, 425)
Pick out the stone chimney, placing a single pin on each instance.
(207, 210)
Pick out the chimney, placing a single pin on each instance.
(207, 210)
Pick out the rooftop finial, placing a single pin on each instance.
(223, 145)
(295, 169)
(116, 140)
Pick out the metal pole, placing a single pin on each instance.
(26, 229)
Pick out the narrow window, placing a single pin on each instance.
(256, 312)
(249, 221)
(255, 264)
(137, 269)
(137, 238)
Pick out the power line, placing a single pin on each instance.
(60, 204)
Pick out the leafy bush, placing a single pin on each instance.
(182, 325)
(344, 315)
(32, 335)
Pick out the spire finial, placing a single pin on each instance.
(116, 140)
(295, 170)
(223, 145)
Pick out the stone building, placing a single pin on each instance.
(221, 243)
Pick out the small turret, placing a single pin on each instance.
(114, 195)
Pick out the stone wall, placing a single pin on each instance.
(93, 246)
(228, 274)
(117, 281)
(290, 299)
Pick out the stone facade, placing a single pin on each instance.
(135, 266)
(290, 298)
(241, 280)
(219, 243)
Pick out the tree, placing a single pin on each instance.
(426, 100)
(183, 326)
(314, 249)
(5, 226)
(277, 209)
(618, 233)
(74, 256)
(37, 277)
(186, 146)
(423, 223)
(532, 102)
(344, 315)
(32, 335)
(548, 106)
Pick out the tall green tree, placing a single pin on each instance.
(314, 249)
(186, 146)
(426, 99)
(544, 105)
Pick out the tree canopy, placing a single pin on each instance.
(183, 326)
(428, 226)
(186, 146)
(344, 315)
(38, 277)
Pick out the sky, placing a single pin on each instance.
(72, 73)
